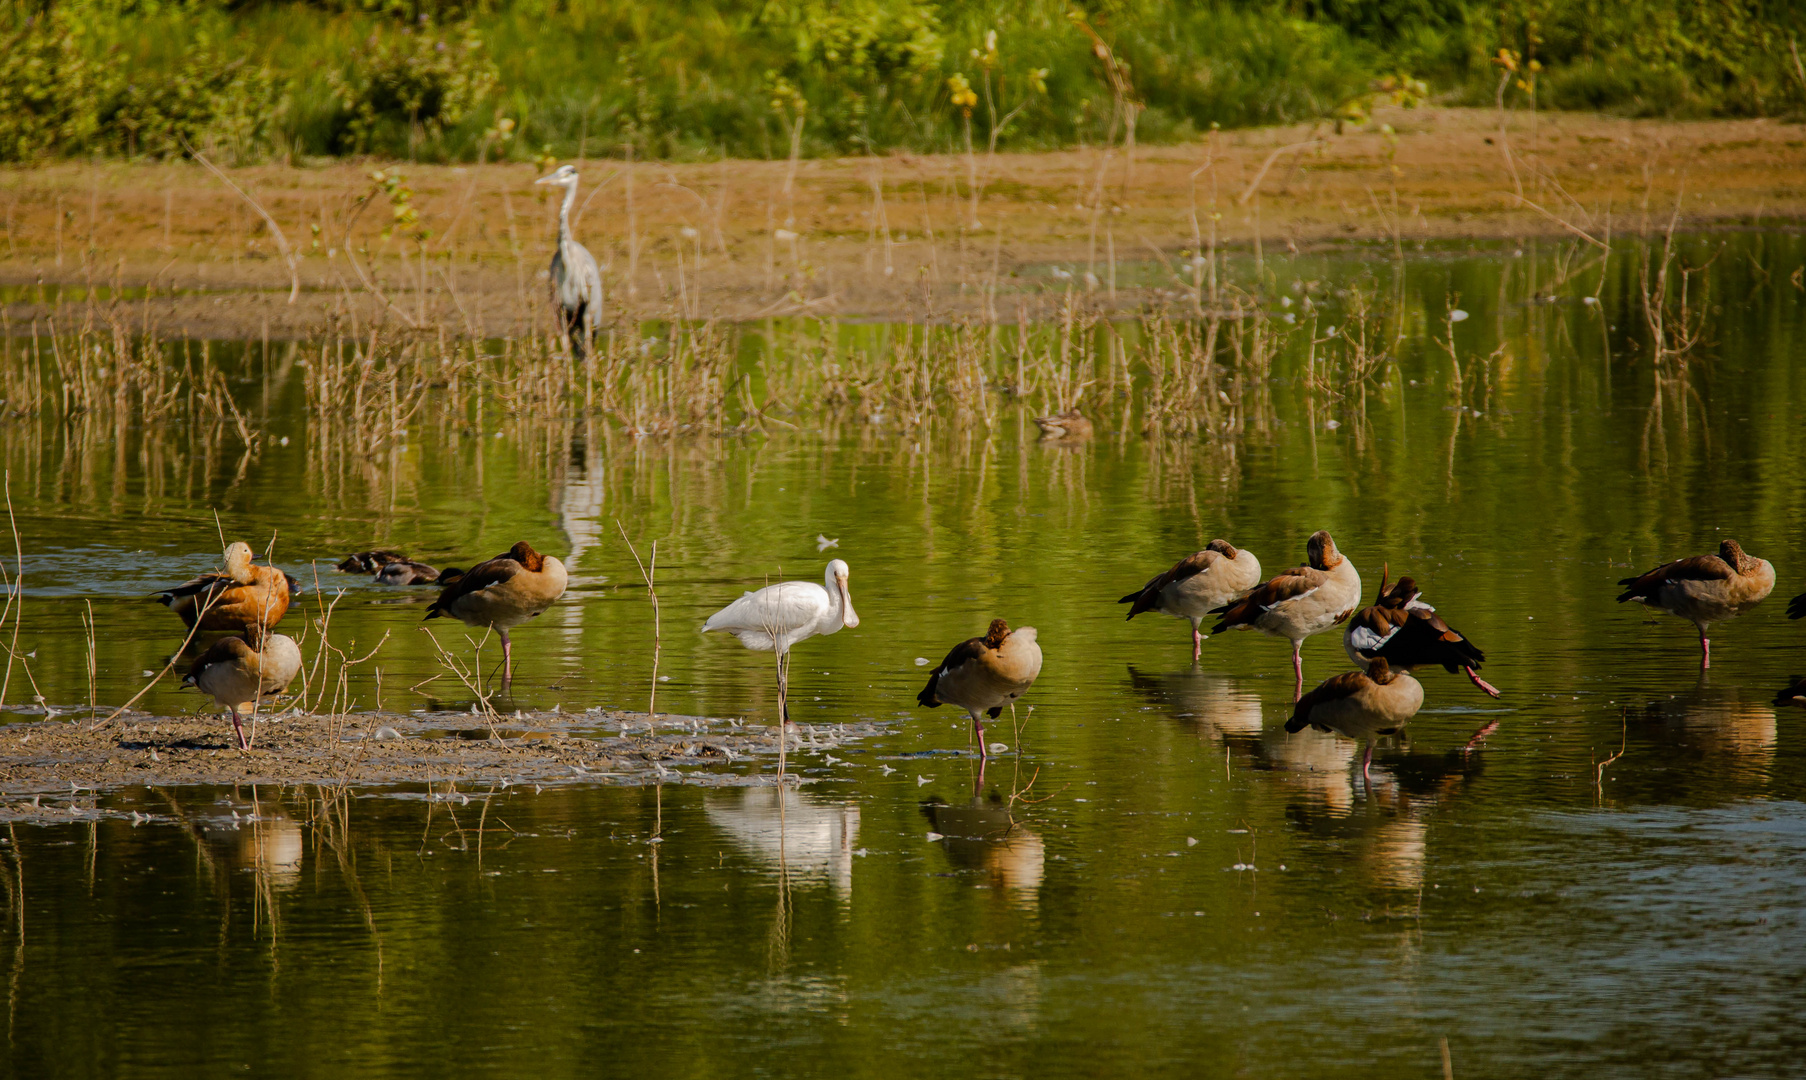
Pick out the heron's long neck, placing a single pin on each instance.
(564, 215)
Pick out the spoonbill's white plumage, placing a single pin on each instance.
(778, 617)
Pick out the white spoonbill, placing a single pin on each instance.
(777, 617)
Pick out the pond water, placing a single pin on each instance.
(1155, 879)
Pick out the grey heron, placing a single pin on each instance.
(576, 280)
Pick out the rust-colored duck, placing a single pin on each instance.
(243, 599)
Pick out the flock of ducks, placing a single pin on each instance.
(1387, 640)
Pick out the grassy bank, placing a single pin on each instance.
(446, 80)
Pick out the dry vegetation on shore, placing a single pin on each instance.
(899, 237)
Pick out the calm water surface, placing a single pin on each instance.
(1157, 880)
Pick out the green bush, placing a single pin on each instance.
(408, 86)
(51, 89)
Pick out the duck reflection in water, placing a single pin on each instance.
(271, 845)
(791, 832)
(1718, 739)
(1388, 832)
(983, 835)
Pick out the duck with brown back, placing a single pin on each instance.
(1360, 705)
(1196, 585)
(1409, 634)
(982, 675)
(1302, 601)
(243, 599)
(1704, 589)
(502, 593)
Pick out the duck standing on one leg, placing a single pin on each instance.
(1197, 585)
(502, 593)
(1299, 602)
(983, 674)
(238, 674)
(1361, 705)
(1704, 589)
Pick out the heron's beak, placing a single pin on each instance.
(553, 179)
(848, 617)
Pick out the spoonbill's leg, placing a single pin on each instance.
(1297, 670)
(1475, 678)
(243, 743)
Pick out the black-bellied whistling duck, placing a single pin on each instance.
(1794, 695)
(1408, 634)
(1796, 608)
(1704, 589)
(1197, 585)
(983, 674)
(503, 593)
(1361, 705)
(1070, 424)
(244, 599)
(778, 617)
(369, 562)
(1302, 601)
(238, 674)
(409, 572)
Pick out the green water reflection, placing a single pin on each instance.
(1161, 882)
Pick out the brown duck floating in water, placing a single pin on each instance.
(1197, 585)
(1299, 602)
(1704, 589)
(409, 572)
(238, 675)
(1360, 705)
(369, 562)
(983, 674)
(503, 593)
(244, 599)
(1070, 424)
(1408, 634)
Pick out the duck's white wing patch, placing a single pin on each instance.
(1364, 640)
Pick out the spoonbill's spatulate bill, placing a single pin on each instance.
(1704, 589)
(778, 617)
(1197, 585)
(501, 594)
(1302, 601)
(1408, 634)
(984, 674)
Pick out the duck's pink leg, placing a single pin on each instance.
(1367, 764)
(507, 659)
(1474, 676)
(1705, 651)
(243, 743)
(978, 728)
(1297, 670)
(1197, 644)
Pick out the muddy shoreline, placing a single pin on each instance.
(58, 769)
(168, 250)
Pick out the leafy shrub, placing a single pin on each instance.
(205, 100)
(411, 82)
(50, 91)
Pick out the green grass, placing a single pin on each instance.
(699, 78)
